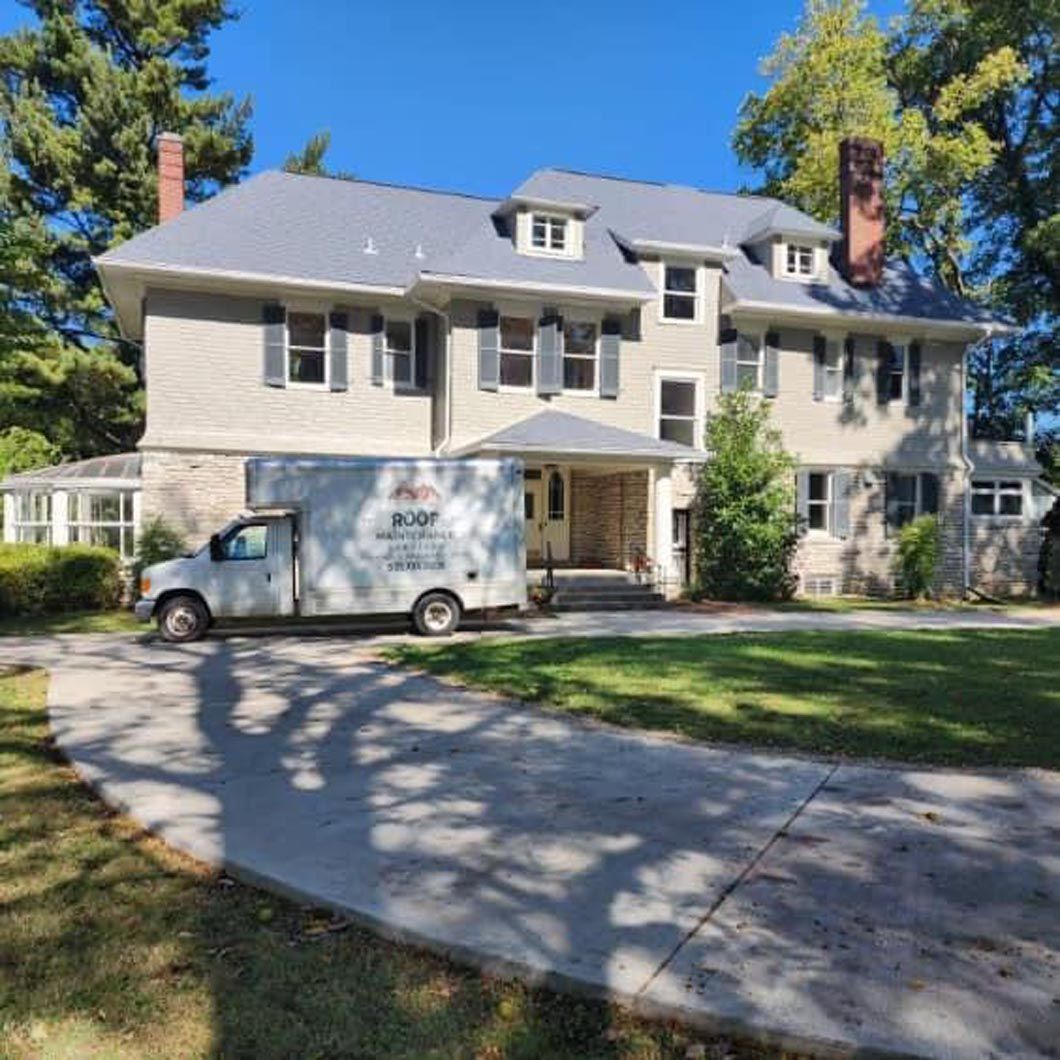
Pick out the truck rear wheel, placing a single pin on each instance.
(182, 619)
(436, 615)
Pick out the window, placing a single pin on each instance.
(997, 497)
(677, 411)
(102, 518)
(833, 369)
(549, 233)
(557, 501)
(910, 495)
(33, 517)
(799, 260)
(579, 356)
(819, 502)
(679, 292)
(400, 351)
(896, 373)
(517, 351)
(306, 359)
(748, 362)
(246, 542)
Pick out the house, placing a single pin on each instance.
(586, 324)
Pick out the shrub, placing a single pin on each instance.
(918, 556)
(42, 579)
(158, 541)
(746, 532)
(1049, 559)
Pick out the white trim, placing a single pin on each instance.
(692, 250)
(677, 375)
(828, 531)
(840, 341)
(760, 379)
(574, 209)
(996, 493)
(550, 220)
(388, 354)
(786, 271)
(515, 388)
(580, 392)
(305, 310)
(696, 295)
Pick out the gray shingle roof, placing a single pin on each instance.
(1000, 458)
(120, 468)
(902, 293)
(786, 220)
(562, 433)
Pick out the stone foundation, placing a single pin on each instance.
(609, 518)
(1004, 557)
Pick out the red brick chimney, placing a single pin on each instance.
(170, 176)
(861, 210)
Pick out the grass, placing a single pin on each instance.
(113, 945)
(960, 697)
(851, 604)
(121, 621)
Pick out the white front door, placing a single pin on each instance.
(532, 512)
(547, 511)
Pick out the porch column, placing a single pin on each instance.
(9, 516)
(662, 526)
(60, 518)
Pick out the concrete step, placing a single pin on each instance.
(640, 604)
(585, 596)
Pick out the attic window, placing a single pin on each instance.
(548, 232)
(799, 260)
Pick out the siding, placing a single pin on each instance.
(203, 355)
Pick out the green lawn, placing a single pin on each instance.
(112, 945)
(965, 697)
(122, 621)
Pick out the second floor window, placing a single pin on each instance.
(579, 356)
(679, 292)
(819, 502)
(549, 233)
(400, 351)
(833, 369)
(748, 362)
(517, 351)
(896, 373)
(306, 352)
(677, 411)
(799, 260)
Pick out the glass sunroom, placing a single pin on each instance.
(90, 502)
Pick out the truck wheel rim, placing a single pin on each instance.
(437, 616)
(181, 621)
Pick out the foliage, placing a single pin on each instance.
(746, 532)
(1049, 558)
(83, 96)
(907, 695)
(42, 579)
(157, 542)
(964, 95)
(917, 556)
(310, 160)
(24, 450)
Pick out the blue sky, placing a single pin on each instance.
(472, 96)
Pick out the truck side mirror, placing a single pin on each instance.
(217, 552)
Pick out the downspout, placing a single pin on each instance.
(966, 495)
(447, 328)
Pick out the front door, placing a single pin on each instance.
(532, 514)
(546, 506)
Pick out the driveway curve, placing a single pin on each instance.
(813, 905)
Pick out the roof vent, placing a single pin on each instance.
(369, 246)
(419, 252)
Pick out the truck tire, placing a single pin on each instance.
(182, 619)
(436, 615)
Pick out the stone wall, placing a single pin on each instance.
(609, 517)
(1004, 557)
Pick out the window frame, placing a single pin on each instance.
(234, 532)
(389, 354)
(828, 530)
(696, 379)
(502, 350)
(594, 357)
(992, 487)
(696, 294)
(47, 524)
(796, 273)
(902, 344)
(836, 372)
(550, 222)
(290, 310)
(125, 524)
(760, 364)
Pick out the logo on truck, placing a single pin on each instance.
(417, 493)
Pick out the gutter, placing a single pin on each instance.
(966, 498)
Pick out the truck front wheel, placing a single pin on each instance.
(182, 619)
(436, 615)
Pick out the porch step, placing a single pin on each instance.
(619, 597)
(642, 603)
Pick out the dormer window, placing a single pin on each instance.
(549, 233)
(679, 292)
(799, 261)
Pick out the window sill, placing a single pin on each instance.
(307, 386)
(681, 321)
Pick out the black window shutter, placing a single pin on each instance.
(550, 354)
(841, 481)
(424, 352)
(820, 347)
(377, 325)
(338, 326)
(610, 352)
(274, 321)
(929, 494)
(850, 369)
(890, 501)
(883, 372)
(802, 498)
(489, 355)
(914, 374)
(727, 346)
(771, 369)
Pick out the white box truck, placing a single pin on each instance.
(350, 536)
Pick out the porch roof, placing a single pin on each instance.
(562, 434)
(117, 471)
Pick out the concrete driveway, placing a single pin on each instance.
(821, 906)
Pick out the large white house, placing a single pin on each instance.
(586, 324)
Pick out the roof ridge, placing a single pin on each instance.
(387, 184)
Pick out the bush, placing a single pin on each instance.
(746, 532)
(1049, 559)
(158, 541)
(918, 556)
(42, 579)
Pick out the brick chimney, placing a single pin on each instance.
(170, 176)
(861, 210)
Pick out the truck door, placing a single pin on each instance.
(252, 572)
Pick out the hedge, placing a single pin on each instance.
(42, 579)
